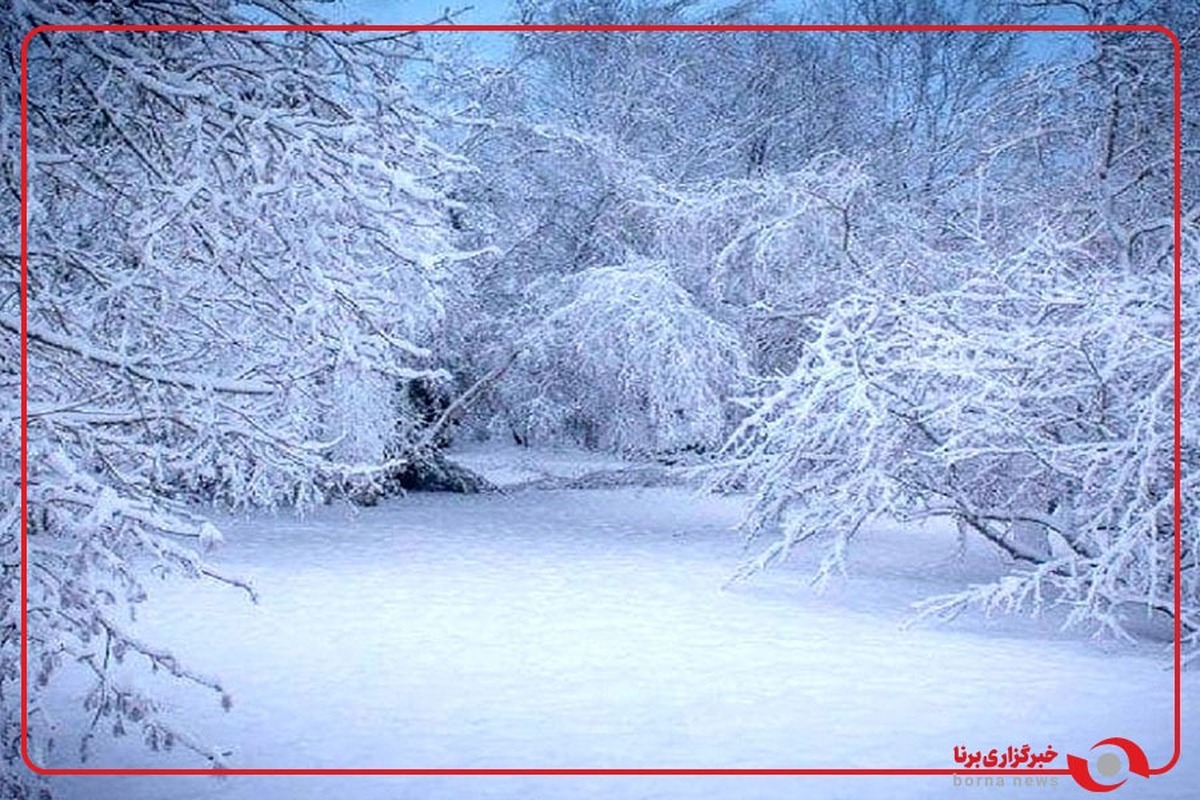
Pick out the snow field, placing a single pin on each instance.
(590, 629)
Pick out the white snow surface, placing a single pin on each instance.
(592, 629)
(508, 466)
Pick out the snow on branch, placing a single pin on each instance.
(238, 250)
(137, 366)
(1044, 428)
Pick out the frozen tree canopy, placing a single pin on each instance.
(856, 279)
(627, 338)
(237, 254)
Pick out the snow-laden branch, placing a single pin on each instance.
(136, 366)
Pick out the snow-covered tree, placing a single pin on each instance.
(1027, 392)
(237, 251)
(1028, 406)
(627, 362)
(767, 253)
(919, 121)
(552, 202)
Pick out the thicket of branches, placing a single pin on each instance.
(626, 361)
(1027, 393)
(262, 265)
(238, 245)
(954, 293)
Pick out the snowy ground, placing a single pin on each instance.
(508, 466)
(590, 629)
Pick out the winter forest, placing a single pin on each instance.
(593, 399)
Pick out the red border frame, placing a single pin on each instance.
(729, 28)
